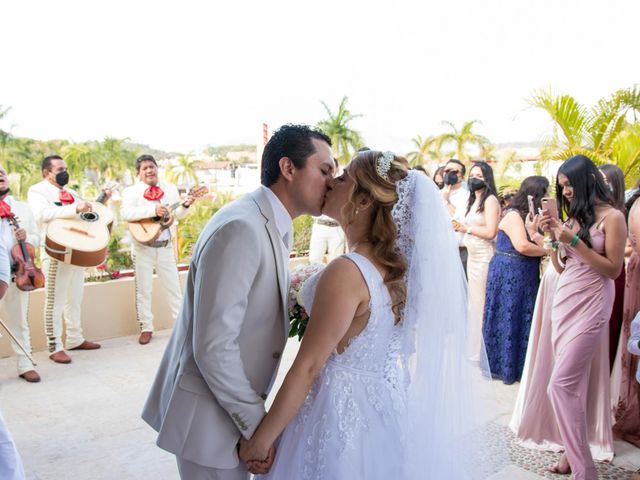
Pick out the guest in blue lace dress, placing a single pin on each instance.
(512, 284)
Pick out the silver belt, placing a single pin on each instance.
(327, 223)
(158, 244)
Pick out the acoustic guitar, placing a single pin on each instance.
(147, 230)
(83, 240)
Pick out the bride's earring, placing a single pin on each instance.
(357, 210)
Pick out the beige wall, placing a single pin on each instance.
(108, 311)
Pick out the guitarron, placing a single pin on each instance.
(83, 240)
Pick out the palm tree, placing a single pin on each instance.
(602, 132)
(344, 139)
(462, 139)
(184, 170)
(428, 148)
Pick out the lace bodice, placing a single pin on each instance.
(373, 348)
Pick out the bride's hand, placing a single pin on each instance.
(259, 458)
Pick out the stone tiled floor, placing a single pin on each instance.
(83, 420)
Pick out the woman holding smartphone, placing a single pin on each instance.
(593, 240)
(480, 229)
(514, 276)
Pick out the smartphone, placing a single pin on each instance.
(532, 209)
(550, 206)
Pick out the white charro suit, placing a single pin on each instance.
(226, 345)
(147, 258)
(14, 307)
(64, 283)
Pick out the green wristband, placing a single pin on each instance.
(574, 241)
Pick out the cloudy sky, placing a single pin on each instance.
(181, 75)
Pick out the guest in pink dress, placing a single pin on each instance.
(593, 238)
(625, 388)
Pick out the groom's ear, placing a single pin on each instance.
(286, 168)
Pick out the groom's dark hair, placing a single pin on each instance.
(292, 141)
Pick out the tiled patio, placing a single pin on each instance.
(83, 420)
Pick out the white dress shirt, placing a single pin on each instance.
(284, 224)
(459, 199)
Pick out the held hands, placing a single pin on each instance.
(83, 207)
(258, 458)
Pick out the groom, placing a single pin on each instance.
(221, 360)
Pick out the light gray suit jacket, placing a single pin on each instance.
(226, 345)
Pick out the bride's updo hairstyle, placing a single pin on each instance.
(381, 189)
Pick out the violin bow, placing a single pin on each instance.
(13, 337)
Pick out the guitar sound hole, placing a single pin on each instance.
(89, 216)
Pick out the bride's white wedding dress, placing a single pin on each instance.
(352, 422)
(402, 402)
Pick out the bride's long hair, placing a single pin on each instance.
(382, 231)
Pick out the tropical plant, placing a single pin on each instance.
(427, 148)
(463, 138)
(345, 141)
(183, 171)
(199, 214)
(604, 132)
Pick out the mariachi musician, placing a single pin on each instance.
(148, 198)
(15, 304)
(49, 199)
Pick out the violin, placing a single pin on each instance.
(28, 276)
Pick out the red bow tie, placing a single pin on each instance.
(66, 198)
(153, 193)
(5, 210)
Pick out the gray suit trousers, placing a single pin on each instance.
(192, 471)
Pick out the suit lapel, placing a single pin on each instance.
(279, 253)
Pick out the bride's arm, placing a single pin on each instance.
(340, 290)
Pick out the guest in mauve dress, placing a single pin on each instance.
(625, 388)
(614, 178)
(514, 275)
(480, 229)
(594, 237)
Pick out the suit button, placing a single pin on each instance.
(263, 396)
(276, 355)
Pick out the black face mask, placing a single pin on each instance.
(4, 192)
(440, 185)
(451, 178)
(62, 178)
(476, 184)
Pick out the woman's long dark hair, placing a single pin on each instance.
(615, 179)
(490, 189)
(535, 186)
(588, 190)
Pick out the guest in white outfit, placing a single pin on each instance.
(150, 198)
(15, 304)
(456, 196)
(49, 200)
(10, 462)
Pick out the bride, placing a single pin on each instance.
(382, 386)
